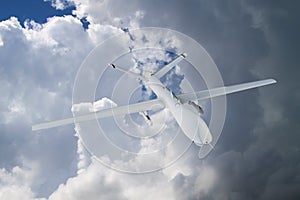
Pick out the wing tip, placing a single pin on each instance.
(274, 80)
(112, 65)
(184, 55)
(35, 128)
(38, 127)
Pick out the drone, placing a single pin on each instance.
(189, 120)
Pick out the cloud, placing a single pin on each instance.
(60, 4)
(257, 155)
(20, 182)
(279, 126)
(38, 65)
(96, 182)
(11, 187)
(35, 87)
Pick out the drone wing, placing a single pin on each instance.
(114, 111)
(169, 66)
(206, 94)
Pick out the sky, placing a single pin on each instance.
(42, 46)
(38, 11)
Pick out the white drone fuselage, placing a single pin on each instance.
(189, 121)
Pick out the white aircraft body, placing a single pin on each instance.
(191, 123)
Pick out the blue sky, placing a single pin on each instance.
(257, 156)
(36, 10)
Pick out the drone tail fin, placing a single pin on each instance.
(169, 66)
(205, 150)
(127, 72)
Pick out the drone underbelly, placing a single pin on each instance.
(192, 125)
(190, 122)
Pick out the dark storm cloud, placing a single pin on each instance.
(257, 156)
(281, 136)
